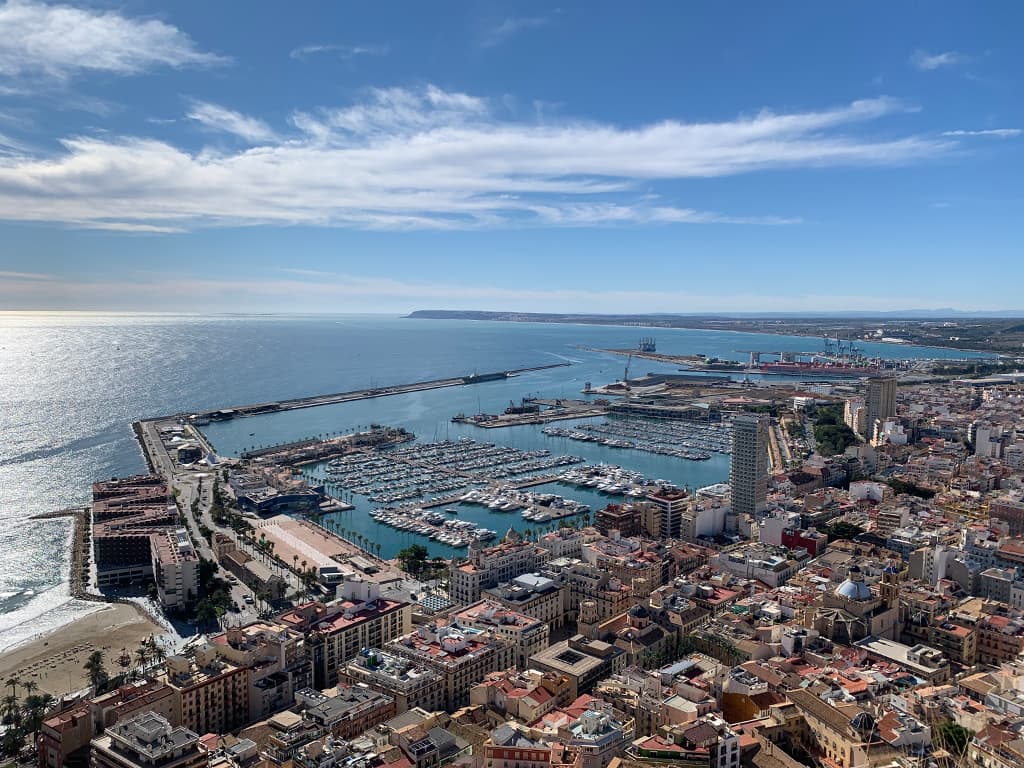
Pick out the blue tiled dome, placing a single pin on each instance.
(853, 590)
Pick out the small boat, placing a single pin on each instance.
(452, 511)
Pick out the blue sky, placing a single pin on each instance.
(381, 156)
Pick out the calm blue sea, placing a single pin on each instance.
(71, 384)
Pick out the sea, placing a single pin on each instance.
(72, 383)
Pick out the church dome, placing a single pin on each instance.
(639, 612)
(853, 590)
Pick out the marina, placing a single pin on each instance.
(691, 440)
(427, 471)
(533, 507)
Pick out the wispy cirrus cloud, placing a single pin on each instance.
(510, 27)
(34, 276)
(999, 133)
(318, 291)
(218, 118)
(60, 41)
(926, 62)
(429, 158)
(340, 50)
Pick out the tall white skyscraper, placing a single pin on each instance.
(749, 473)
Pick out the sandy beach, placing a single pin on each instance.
(54, 662)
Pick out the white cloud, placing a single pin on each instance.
(510, 27)
(339, 50)
(999, 133)
(59, 41)
(435, 159)
(219, 118)
(926, 62)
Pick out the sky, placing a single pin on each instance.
(591, 156)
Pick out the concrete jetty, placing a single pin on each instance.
(312, 401)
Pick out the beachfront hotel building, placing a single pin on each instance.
(748, 475)
(336, 632)
(175, 567)
(135, 537)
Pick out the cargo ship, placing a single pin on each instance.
(479, 378)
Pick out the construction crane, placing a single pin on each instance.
(625, 375)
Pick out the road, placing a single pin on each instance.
(192, 486)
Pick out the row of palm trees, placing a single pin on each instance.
(322, 436)
(148, 656)
(353, 537)
(23, 717)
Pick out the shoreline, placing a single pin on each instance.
(54, 659)
(999, 355)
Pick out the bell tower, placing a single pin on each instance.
(890, 587)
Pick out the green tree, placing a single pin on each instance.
(954, 738)
(843, 530)
(413, 558)
(206, 612)
(904, 486)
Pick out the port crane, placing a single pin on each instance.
(625, 374)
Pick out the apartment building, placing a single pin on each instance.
(276, 659)
(411, 685)
(461, 656)
(490, 566)
(147, 741)
(526, 635)
(336, 632)
(213, 693)
(531, 594)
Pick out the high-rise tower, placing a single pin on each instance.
(749, 473)
(881, 403)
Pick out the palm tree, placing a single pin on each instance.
(35, 709)
(30, 687)
(97, 672)
(14, 682)
(142, 655)
(10, 709)
(156, 651)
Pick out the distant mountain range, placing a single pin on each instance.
(666, 317)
